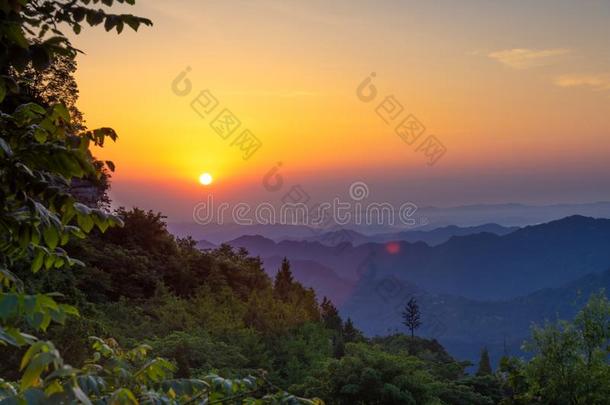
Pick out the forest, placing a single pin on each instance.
(102, 306)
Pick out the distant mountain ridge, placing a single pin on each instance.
(507, 215)
(479, 266)
(430, 237)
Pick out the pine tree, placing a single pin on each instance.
(484, 363)
(412, 316)
(330, 316)
(284, 281)
(350, 332)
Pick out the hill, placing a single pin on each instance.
(481, 266)
(430, 237)
(462, 325)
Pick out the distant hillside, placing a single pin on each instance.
(219, 233)
(479, 266)
(443, 234)
(430, 237)
(205, 245)
(510, 214)
(506, 215)
(463, 325)
(487, 266)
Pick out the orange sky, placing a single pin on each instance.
(518, 93)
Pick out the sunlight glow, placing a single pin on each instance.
(205, 179)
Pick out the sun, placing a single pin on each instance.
(205, 179)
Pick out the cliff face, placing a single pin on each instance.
(87, 192)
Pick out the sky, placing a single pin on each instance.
(516, 94)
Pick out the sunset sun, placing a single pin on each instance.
(205, 179)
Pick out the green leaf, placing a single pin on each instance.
(85, 222)
(123, 396)
(38, 260)
(61, 111)
(40, 135)
(49, 261)
(35, 368)
(51, 236)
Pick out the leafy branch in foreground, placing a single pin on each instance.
(39, 157)
(117, 376)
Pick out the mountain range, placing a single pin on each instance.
(428, 218)
(430, 237)
(480, 289)
(478, 266)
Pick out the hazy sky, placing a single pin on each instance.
(517, 92)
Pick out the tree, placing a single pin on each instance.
(484, 363)
(411, 316)
(351, 333)
(52, 85)
(284, 281)
(330, 315)
(368, 374)
(570, 360)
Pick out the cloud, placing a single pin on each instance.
(594, 81)
(521, 58)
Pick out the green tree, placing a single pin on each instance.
(351, 333)
(330, 315)
(484, 363)
(369, 375)
(284, 281)
(570, 360)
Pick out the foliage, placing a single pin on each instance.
(40, 154)
(484, 363)
(117, 376)
(368, 375)
(570, 363)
